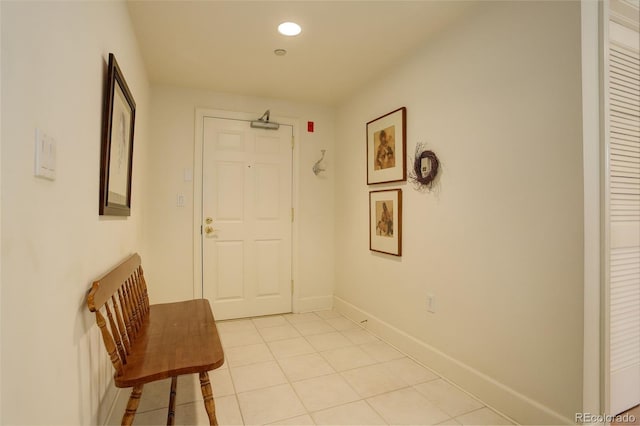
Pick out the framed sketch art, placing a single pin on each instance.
(386, 148)
(116, 157)
(385, 221)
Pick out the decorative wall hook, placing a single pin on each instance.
(318, 166)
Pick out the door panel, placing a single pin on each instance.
(623, 208)
(246, 247)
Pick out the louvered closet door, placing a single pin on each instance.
(624, 217)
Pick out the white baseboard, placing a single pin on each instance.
(311, 304)
(108, 404)
(496, 395)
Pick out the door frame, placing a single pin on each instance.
(593, 354)
(201, 113)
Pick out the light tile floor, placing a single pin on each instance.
(315, 368)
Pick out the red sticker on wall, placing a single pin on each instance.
(310, 126)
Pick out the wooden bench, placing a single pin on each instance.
(153, 342)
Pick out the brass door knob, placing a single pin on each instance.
(208, 230)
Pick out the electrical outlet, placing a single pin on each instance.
(431, 303)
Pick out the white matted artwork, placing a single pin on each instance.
(119, 158)
(386, 148)
(385, 221)
(116, 156)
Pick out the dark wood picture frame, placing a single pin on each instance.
(385, 221)
(386, 158)
(116, 154)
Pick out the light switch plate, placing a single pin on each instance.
(431, 303)
(45, 156)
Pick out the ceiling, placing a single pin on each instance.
(228, 46)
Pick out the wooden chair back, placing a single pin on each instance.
(122, 296)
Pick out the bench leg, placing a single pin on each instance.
(132, 406)
(171, 417)
(207, 394)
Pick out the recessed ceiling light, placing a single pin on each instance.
(289, 29)
(280, 52)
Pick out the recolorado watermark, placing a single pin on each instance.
(586, 418)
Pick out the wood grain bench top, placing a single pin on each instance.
(175, 338)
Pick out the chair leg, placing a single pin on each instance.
(132, 406)
(207, 394)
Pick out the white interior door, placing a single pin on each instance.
(623, 212)
(246, 218)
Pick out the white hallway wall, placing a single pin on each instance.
(169, 229)
(54, 367)
(499, 242)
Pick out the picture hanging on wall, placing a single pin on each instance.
(386, 148)
(116, 154)
(385, 221)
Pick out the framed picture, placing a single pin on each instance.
(386, 148)
(385, 221)
(116, 157)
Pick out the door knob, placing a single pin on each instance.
(208, 230)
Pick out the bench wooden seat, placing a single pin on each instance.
(153, 342)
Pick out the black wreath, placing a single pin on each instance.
(417, 168)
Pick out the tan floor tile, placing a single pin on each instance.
(290, 347)
(448, 398)
(220, 383)
(355, 413)
(309, 328)
(406, 407)
(304, 420)
(298, 318)
(280, 332)
(270, 405)
(326, 341)
(250, 354)
(347, 358)
(269, 321)
(342, 323)
(305, 367)
(324, 392)
(381, 351)
(256, 376)
(359, 336)
(373, 380)
(483, 416)
(328, 314)
(227, 411)
(241, 337)
(410, 371)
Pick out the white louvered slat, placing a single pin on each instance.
(623, 205)
(625, 122)
(625, 307)
(624, 119)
